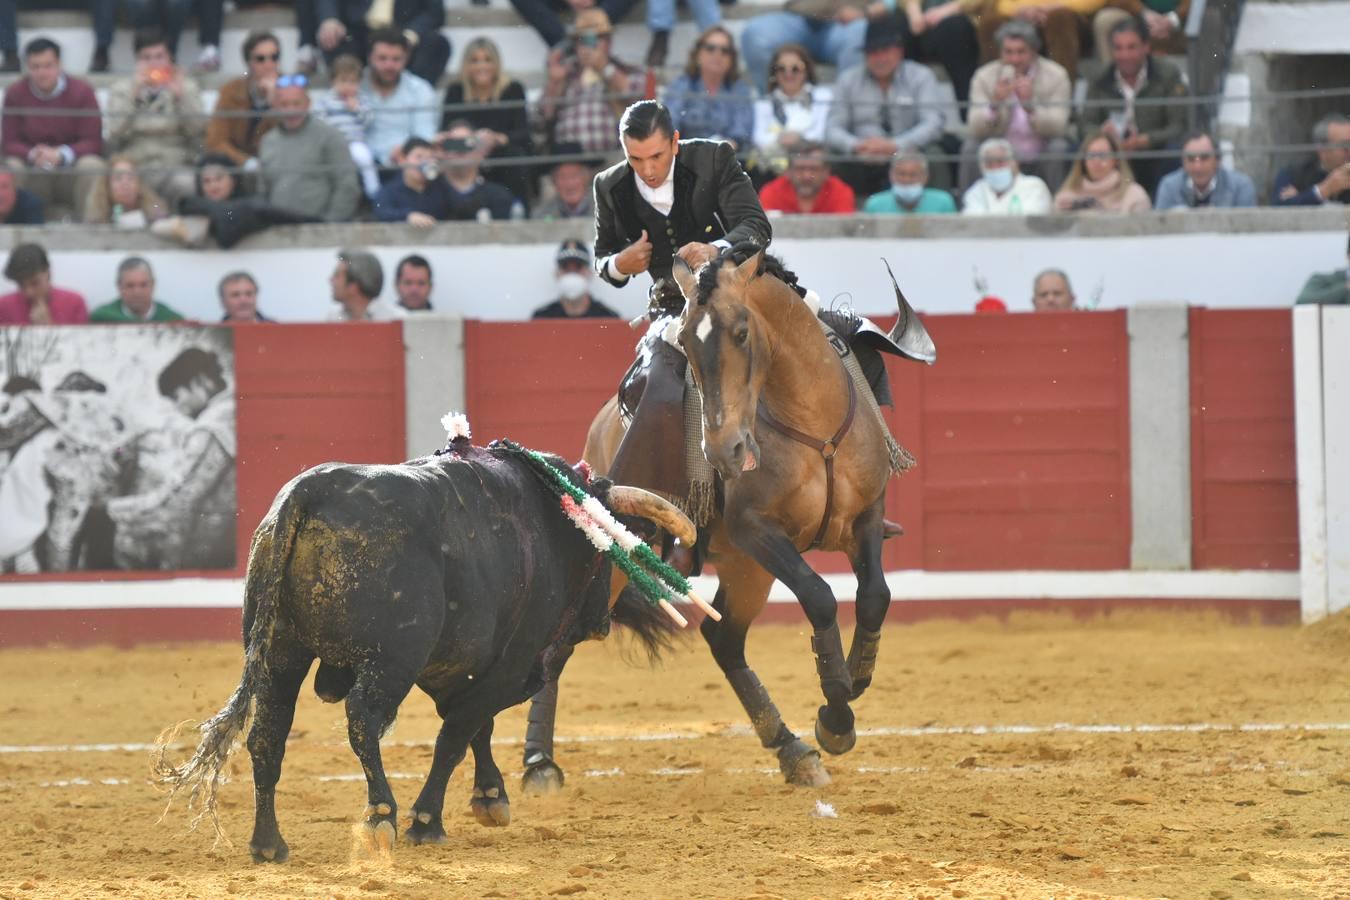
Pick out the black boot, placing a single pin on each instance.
(657, 50)
(100, 61)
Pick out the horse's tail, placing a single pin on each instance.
(653, 629)
(201, 775)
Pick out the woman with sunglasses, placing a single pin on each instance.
(493, 102)
(1101, 181)
(793, 112)
(240, 118)
(711, 100)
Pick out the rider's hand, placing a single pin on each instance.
(697, 254)
(636, 257)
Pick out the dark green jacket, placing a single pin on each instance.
(112, 312)
(1326, 287)
(1164, 125)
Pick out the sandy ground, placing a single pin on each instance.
(925, 806)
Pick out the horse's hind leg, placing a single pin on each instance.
(542, 775)
(743, 588)
(287, 665)
(873, 599)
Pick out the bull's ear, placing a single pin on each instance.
(685, 278)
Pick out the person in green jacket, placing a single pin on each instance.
(135, 300)
(1328, 287)
(909, 192)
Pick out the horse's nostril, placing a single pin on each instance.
(738, 450)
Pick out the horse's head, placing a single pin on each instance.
(723, 337)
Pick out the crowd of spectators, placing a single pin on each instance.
(355, 128)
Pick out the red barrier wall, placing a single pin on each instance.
(1244, 492)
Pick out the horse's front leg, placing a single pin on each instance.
(873, 598)
(773, 550)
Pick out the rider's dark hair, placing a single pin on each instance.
(645, 118)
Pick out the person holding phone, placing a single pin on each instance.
(588, 88)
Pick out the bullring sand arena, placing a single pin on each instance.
(1139, 755)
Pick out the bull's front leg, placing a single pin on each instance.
(451, 744)
(490, 805)
(543, 775)
(773, 550)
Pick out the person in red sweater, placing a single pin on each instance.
(58, 155)
(808, 186)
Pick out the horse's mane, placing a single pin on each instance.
(738, 254)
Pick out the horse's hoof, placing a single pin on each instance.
(277, 853)
(491, 813)
(542, 778)
(425, 829)
(835, 744)
(801, 765)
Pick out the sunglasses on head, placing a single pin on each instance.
(265, 57)
(724, 49)
(793, 69)
(286, 81)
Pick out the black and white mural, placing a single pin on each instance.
(117, 448)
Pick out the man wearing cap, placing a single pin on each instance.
(886, 104)
(574, 287)
(587, 88)
(571, 178)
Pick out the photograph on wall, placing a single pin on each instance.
(117, 449)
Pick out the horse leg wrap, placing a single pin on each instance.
(828, 646)
(768, 724)
(539, 727)
(862, 657)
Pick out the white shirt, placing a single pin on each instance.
(1028, 196)
(661, 198)
(377, 311)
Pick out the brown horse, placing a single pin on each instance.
(799, 470)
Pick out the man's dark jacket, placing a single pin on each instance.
(418, 16)
(1303, 177)
(1164, 124)
(714, 200)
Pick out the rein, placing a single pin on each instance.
(826, 449)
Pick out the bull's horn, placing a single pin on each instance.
(631, 501)
(908, 333)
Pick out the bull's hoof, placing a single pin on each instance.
(425, 829)
(834, 743)
(276, 852)
(541, 778)
(378, 838)
(491, 813)
(801, 765)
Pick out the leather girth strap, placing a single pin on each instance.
(826, 449)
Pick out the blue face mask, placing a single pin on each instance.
(999, 180)
(907, 193)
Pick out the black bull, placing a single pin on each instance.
(457, 573)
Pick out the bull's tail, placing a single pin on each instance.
(652, 628)
(200, 776)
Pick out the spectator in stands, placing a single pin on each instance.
(1062, 23)
(51, 130)
(1326, 176)
(882, 106)
(1051, 292)
(661, 19)
(350, 26)
(135, 301)
(574, 287)
(587, 89)
(1002, 190)
(421, 196)
(172, 15)
(121, 199)
(793, 109)
(1201, 182)
(239, 298)
(1327, 287)
(710, 99)
(1135, 74)
(343, 108)
(412, 283)
(808, 186)
(1101, 181)
(832, 31)
(222, 209)
(1025, 98)
(572, 196)
(240, 118)
(942, 31)
(305, 164)
(155, 117)
(404, 104)
(17, 206)
(472, 196)
(9, 37)
(909, 193)
(492, 102)
(1164, 19)
(356, 284)
(37, 301)
(543, 15)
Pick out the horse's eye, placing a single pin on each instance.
(741, 335)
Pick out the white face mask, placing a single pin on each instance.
(999, 179)
(572, 285)
(907, 193)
